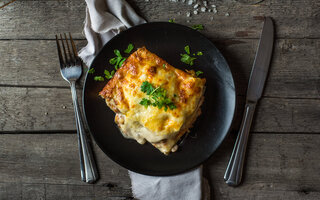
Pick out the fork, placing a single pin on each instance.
(71, 70)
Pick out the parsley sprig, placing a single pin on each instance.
(198, 73)
(118, 60)
(98, 78)
(156, 97)
(129, 48)
(108, 74)
(186, 58)
(91, 70)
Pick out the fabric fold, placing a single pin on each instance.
(105, 19)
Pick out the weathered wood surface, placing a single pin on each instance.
(34, 166)
(294, 71)
(37, 161)
(50, 109)
(41, 19)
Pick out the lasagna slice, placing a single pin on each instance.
(154, 101)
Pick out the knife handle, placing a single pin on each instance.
(233, 173)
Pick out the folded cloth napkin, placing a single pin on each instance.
(105, 19)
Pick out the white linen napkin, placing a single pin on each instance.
(105, 19)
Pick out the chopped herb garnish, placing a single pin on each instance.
(146, 87)
(117, 61)
(108, 74)
(185, 58)
(113, 61)
(91, 70)
(129, 48)
(164, 65)
(98, 78)
(197, 27)
(121, 62)
(172, 21)
(198, 73)
(187, 49)
(145, 102)
(156, 97)
(117, 53)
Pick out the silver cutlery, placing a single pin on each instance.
(71, 70)
(257, 80)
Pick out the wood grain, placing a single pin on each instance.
(38, 144)
(42, 19)
(34, 166)
(50, 109)
(294, 71)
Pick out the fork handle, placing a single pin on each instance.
(233, 173)
(88, 167)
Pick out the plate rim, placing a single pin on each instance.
(159, 173)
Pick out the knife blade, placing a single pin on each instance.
(261, 62)
(257, 80)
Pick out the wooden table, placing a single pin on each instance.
(38, 143)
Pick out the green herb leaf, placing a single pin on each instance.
(199, 53)
(113, 61)
(164, 65)
(129, 48)
(117, 53)
(107, 74)
(145, 102)
(172, 106)
(118, 60)
(185, 58)
(157, 97)
(172, 21)
(146, 87)
(187, 49)
(198, 73)
(122, 61)
(98, 78)
(91, 70)
(197, 27)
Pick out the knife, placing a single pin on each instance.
(257, 80)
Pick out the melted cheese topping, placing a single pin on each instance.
(162, 128)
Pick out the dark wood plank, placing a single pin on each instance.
(53, 161)
(33, 63)
(279, 166)
(42, 19)
(50, 109)
(294, 71)
(31, 109)
(41, 191)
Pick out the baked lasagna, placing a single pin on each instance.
(153, 101)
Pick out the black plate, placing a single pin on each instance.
(167, 40)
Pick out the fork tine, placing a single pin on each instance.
(64, 49)
(73, 46)
(59, 52)
(72, 58)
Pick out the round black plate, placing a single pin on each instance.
(167, 40)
